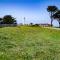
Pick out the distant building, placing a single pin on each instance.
(44, 25)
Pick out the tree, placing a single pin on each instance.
(52, 10)
(31, 24)
(8, 19)
(57, 16)
(1, 21)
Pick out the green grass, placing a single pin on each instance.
(29, 43)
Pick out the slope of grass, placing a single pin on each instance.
(29, 43)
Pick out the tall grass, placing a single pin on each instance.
(29, 43)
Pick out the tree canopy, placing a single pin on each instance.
(8, 19)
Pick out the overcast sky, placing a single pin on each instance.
(34, 10)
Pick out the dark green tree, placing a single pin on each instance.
(52, 10)
(8, 19)
(1, 21)
(57, 16)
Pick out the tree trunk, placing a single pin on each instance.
(59, 24)
(51, 19)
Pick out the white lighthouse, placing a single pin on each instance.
(24, 20)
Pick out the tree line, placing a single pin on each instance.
(54, 13)
(8, 19)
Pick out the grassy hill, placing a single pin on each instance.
(29, 43)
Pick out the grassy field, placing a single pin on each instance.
(29, 43)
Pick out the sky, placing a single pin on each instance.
(35, 11)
